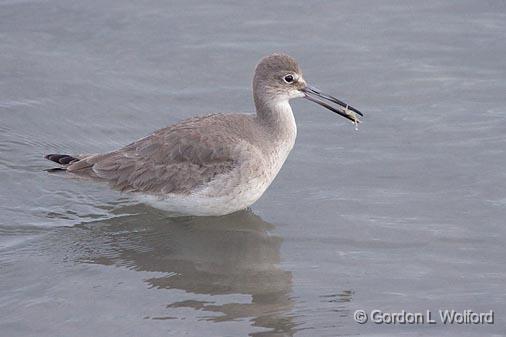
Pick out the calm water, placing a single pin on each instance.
(408, 213)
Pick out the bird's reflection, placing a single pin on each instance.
(227, 255)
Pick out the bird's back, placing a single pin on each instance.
(183, 157)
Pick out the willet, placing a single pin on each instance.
(215, 164)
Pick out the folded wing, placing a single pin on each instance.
(177, 159)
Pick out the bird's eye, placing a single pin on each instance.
(288, 78)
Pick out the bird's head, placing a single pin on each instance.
(278, 78)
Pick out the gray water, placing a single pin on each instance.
(408, 213)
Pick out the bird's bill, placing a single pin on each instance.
(340, 108)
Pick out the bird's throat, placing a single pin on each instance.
(278, 117)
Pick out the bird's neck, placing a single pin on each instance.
(278, 117)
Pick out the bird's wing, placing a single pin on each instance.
(176, 159)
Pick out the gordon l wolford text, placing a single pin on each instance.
(446, 316)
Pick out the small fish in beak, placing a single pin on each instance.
(313, 94)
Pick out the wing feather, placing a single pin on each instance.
(176, 159)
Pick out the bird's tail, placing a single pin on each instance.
(62, 159)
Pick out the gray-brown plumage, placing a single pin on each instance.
(209, 165)
(179, 158)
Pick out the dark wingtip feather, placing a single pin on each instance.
(55, 169)
(63, 159)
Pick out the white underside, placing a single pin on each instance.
(202, 204)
